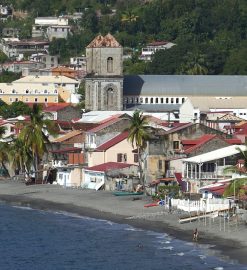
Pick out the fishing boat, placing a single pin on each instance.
(126, 193)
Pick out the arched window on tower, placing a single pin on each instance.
(110, 99)
(109, 64)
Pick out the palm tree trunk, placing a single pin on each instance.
(140, 168)
(5, 169)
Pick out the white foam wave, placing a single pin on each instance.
(168, 248)
(23, 207)
(179, 254)
(202, 257)
(132, 229)
(218, 268)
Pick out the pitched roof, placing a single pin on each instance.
(202, 140)
(109, 166)
(55, 107)
(185, 85)
(113, 141)
(104, 124)
(216, 154)
(106, 41)
(67, 136)
(46, 79)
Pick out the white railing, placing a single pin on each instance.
(203, 205)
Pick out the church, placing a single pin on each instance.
(108, 89)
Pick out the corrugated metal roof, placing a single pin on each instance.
(153, 107)
(216, 154)
(67, 136)
(185, 85)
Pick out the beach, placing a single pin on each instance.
(229, 240)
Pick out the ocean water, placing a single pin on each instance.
(33, 239)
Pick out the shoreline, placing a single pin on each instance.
(54, 198)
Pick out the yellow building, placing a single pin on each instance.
(28, 93)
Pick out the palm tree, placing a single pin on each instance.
(3, 151)
(4, 158)
(138, 136)
(35, 135)
(20, 156)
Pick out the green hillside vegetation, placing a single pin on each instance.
(210, 36)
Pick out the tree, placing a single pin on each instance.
(4, 158)
(235, 188)
(35, 135)
(138, 136)
(20, 157)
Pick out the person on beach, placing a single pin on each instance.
(195, 235)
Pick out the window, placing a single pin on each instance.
(167, 100)
(151, 100)
(177, 100)
(55, 91)
(45, 91)
(176, 145)
(35, 100)
(136, 159)
(156, 100)
(160, 167)
(121, 157)
(13, 91)
(16, 99)
(27, 99)
(172, 100)
(146, 100)
(46, 99)
(10, 99)
(110, 64)
(183, 99)
(141, 100)
(1, 91)
(36, 91)
(27, 91)
(162, 100)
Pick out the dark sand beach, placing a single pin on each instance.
(229, 241)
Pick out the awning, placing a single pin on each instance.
(216, 154)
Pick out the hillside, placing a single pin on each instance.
(210, 36)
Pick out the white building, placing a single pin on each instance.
(194, 107)
(51, 27)
(153, 47)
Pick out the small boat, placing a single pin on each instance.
(151, 205)
(126, 193)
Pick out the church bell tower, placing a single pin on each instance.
(104, 80)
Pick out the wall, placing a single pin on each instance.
(110, 155)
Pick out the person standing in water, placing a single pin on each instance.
(195, 235)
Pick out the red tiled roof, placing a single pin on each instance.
(113, 141)
(205, 138)
(56, 107)
(109, 166)
(178, 127)
(158, 43)
(233, 141)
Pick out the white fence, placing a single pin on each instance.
(203, 205)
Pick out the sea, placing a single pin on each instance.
(35, 239)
